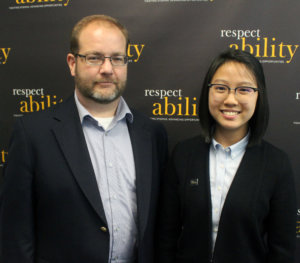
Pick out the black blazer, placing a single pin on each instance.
(257, 223)
(51, 209)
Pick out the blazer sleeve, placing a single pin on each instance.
(16, 210)
(282, 217)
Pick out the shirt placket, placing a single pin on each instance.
(220, 175)
(107, 194)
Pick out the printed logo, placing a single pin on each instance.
(297, 97)
(171, 105)
(134, 52)
(4, 53)
(3, 155)
(35, 100)
(266, 49)
(298, 225)
(25, 4)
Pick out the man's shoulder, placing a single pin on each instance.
(40, 122)
(141, 119)
(49, 113)
(138, 115)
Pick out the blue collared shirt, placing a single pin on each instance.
(112, 159)
(223, 164)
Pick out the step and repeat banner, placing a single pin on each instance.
(172, 44)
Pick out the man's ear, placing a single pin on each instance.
(71, 60)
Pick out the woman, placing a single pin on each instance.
(228, 195)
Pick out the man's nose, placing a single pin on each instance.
(106, 67)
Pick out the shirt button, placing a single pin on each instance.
(215, 229)
(222, 165)
(219, 188)
(103, 229)
(110, 165)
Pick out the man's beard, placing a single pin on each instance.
(89, 90)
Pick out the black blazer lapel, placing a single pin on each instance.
(202, 213)
(246, 176)
(70, 137)
(243, 189)
(142, 152)
(191, 163)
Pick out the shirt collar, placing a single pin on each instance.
(235, 149)
(123, 111)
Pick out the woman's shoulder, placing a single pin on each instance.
(272, 149)
(271, 156)
(190, 145)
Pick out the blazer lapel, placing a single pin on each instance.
(70, 137)
(245, 175)
(242, 189)
(199, 168)
(142, 152)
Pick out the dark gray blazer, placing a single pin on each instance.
(258, 219)
(51, 209)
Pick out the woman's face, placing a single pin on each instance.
(232, 111)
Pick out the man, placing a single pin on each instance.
(81, 181)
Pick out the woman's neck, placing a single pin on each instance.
(229, 137)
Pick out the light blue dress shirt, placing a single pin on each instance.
(112, 159)
(223, 164)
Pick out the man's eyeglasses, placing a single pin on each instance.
(222, 91)
(98, 59)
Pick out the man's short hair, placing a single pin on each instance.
(84, 22)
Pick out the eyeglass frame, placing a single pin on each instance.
(104, 57)
(235, 89)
